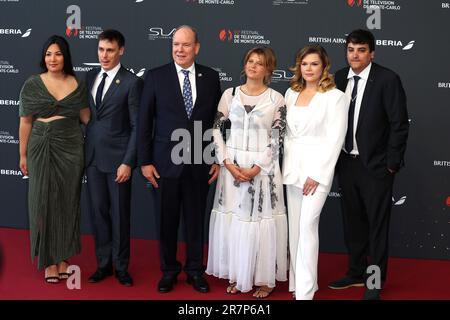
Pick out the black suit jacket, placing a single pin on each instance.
(382, 128)
(111, 132)
(162, 111)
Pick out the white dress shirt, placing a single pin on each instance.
(364, 75)
(109, 79)
(191, 79)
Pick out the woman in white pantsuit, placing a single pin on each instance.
(316, 125)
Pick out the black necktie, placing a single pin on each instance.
(98, 96)
(351, 116)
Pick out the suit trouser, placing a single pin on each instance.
(110, 209)
(189, 194)
(366, 209)
(304, 215)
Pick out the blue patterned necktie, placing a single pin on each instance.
(187, 94)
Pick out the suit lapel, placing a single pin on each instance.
(341, 83)
(91, 76)
(200, 86)
(366, 96)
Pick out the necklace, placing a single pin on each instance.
(255, 93)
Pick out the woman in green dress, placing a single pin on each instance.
(51, 154)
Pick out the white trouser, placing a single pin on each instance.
(304, 214)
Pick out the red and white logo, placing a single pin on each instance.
(351, 3)
(225, 35)
(71, 32)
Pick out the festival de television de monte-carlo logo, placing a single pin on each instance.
(254, 37)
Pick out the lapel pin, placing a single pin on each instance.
(199, 75)
(117, 81)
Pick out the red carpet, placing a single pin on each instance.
(19, 279)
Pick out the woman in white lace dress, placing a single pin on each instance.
(248, 226)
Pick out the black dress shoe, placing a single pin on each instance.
(372, 294)
(199, 283)
(166, 283)
(124, 278)
(346, 282)
(99, 275)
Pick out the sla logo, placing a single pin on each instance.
(225, 35)
(398, 202)
(15, 32)
(351, 3)
(159, 33)
(281, 75)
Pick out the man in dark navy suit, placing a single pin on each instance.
(373, 153)
(180, 95)
(110, 148)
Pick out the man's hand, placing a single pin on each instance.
(310, 186)
(151, 174)
(214, 171)
(123, 173)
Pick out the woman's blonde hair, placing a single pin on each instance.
(326, 81)
(270, 61)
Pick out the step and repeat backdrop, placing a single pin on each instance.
(412, 39)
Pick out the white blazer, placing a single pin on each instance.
(312, 150)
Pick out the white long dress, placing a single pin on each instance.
(248, 225)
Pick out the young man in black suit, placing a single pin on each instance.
(110, 147)
(373, 153)
(181, 95)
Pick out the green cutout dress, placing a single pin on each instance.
(55, 166)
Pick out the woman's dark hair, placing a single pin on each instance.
(65, 50)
